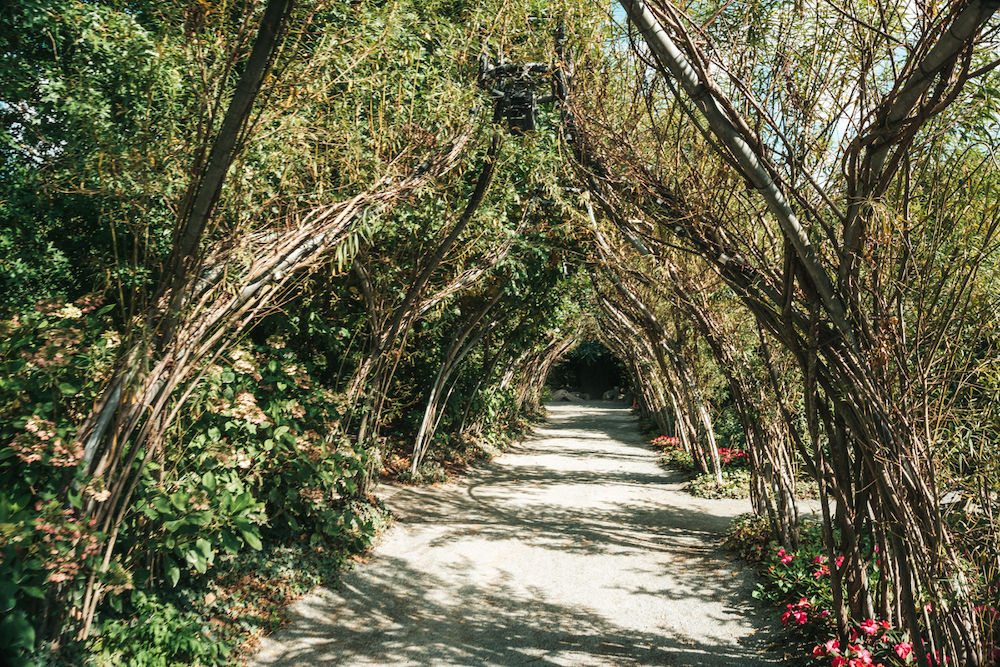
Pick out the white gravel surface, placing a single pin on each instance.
(574, 548)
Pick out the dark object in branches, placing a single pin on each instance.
(512, 86)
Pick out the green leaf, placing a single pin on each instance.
(162, 505)
(174, 525)
(205, 547)
(252, 538)
(230, 542)
(196, 559)
(208, 481)
(202, 518)
(228, 376)
(241, 502)
(7, 599)
(17, 632)
(67, 389)
(180, 500)
(173, 572)
(106, 309)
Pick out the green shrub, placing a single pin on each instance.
(158, 635)
(735, 484)
(678, 459)
(749, 535)
(427, 473)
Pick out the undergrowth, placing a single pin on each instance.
(217, 618)
(735, 484)
(735, 473)
(799, 583)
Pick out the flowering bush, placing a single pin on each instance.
(259, 444)
(674, 456)
(53, 361)
(800, 582)
(665, 441)
(734, 457)
(257, 432)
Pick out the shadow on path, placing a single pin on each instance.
(574, 548)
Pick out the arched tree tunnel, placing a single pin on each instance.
(277, 250)
(591, 370)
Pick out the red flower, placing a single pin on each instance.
(903, 649)
(870, 627)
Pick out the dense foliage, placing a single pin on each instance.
(238, 240)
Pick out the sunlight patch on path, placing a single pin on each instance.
(574, 548)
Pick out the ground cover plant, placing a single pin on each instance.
(735, 471)
(800, 584)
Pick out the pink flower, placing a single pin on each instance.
(840, 560)
(838, 662)
(818, 559)
(818, 651)
(800, 616)
(903, 649)
(821, 572)
(787, 558)
(870, 627)
(862, 654)
(832, 646)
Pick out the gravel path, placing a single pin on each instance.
(574, 548)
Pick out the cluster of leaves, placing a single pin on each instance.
(735, 484)
(52, 360)
(735, 473)
(673, 455)
(247, 456)
(800, 583)
(750, 535)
